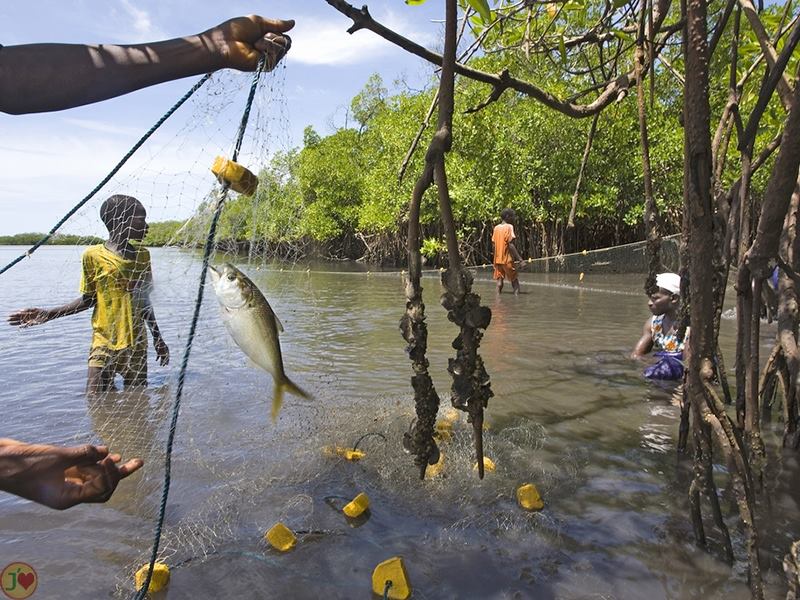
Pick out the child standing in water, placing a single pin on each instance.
(505, 252)
(116, 280)
(660, 330)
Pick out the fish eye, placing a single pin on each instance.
(231, 277)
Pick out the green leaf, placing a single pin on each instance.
(415, 2)
(622, 35)
(562, 48)
(482, 8)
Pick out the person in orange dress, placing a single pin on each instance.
(506, 255)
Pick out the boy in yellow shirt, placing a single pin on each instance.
(116, 280)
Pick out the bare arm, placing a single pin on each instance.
(513, 249)
(645, 343)
(162, 350)
(37, 316)
(45, 77)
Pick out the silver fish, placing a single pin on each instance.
(249, 319)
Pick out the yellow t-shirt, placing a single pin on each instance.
(121, 287)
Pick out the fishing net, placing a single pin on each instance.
(234, 474)
(625, 258)
(621, 259)
(221, 434)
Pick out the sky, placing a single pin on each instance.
(49, 161)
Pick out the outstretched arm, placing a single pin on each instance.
(37, 316)
(645, 343)
(61, 477)
(45, 77)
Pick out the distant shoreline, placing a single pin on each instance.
(28, 239)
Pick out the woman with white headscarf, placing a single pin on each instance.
(660, 331)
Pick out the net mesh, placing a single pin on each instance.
(170, 176)
(625, 258)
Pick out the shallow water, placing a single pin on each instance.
(571, 414)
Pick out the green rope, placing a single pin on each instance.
(111, 173)
(209, 246)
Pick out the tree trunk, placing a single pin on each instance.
(699, 227)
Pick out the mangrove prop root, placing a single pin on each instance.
(426, 400)
(412, 324)
(471, 388)
(694, 491)
(713, 414)
(722, 373)
(768, 381)
(711, 492)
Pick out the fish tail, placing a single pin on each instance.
(277, 401)
(277, 398)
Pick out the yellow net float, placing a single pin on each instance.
(158, 582)
(351, 454)
(281, 537)
(357, 506)
(238, 177)
(529, 498)
(391, 570)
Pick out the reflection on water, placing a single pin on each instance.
(571, 413)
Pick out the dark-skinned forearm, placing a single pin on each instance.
(149, 316)
(44, 77)
(72, 308)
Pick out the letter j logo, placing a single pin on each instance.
(18, 580)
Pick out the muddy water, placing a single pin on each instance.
(571, 414)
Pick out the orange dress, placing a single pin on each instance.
(502, 236)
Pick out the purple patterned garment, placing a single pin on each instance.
(669, 366)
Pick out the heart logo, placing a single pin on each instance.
(18, 581)
(26, 579)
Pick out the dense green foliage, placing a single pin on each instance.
(515, 152)
(162, 233)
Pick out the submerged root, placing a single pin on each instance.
(471, 388)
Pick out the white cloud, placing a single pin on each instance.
(126, 22)
(141, 19)
(326, 42)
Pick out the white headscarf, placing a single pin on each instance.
(670, 282)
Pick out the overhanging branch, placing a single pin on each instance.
(615, 90)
